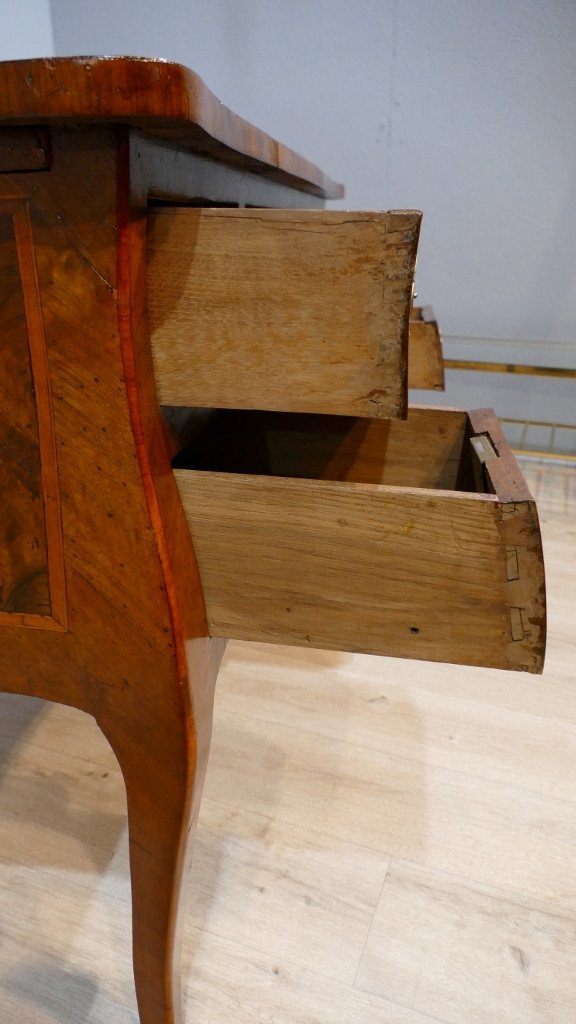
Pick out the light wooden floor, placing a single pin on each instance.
(381, 842)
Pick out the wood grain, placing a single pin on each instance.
(352, 567)
(133, 654)
(23, 551)
(32, 589)
(301, 311)
(521, 541)
(166, 99)
(425, 360)
(391, 569)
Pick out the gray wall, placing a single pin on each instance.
(25, 29)
(464, 108)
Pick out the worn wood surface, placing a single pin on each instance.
(405, 571)
(425, 360)
(166, 99)
(520, 535)
(133, 651)
(301, 311)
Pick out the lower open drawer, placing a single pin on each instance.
(415, 539)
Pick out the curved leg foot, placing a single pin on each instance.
(162, 753)
(159, 817)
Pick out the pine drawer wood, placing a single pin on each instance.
(382, 537)
(301, 311)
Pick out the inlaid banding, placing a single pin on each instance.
(31, 558)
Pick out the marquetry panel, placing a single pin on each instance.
(31, 566)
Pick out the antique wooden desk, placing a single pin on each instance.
(202, 435)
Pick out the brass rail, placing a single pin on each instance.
(536, 371)
(518, 446)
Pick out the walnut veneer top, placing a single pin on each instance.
(165, 99)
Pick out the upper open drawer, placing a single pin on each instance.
(415, 539)
(425, 359)
(297, 311)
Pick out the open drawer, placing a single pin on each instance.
(291, 310)
(415, 539)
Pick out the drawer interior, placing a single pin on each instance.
(431, 449)
(414, 539)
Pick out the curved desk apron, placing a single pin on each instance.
(101, 601)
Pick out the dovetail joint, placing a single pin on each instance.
(512, 564)
(517, 624)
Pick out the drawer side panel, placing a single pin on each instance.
(410, 574)
(296, 311)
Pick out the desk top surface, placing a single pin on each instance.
(162, 98)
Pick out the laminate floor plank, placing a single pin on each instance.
(65, 950)
(409, 810)
(58, 812)
(406, 719)
(477, 949)
(230, 985)
(284, 892)
(29, 719)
